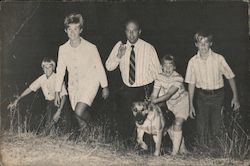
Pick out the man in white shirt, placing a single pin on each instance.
(139, 65)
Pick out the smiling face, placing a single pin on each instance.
(168, 67)
(132, 32)
(203, 45)
(48, 70)
(73, 31)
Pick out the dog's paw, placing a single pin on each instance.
(144, 146)
(142, 152)
(156, 153)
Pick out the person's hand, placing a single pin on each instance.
(57, 101)
(13, 105)
(121, 51)
(153, 100)
(191, 111)
(57, 115)
(235, 104)
(105, 92)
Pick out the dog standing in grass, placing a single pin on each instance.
(149, 119)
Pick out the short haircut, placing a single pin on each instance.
(48, 61)
(201, 35)
(168, 57)
(134, 21)
(73, 18)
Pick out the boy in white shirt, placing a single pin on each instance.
(47, 83)
(204, 76)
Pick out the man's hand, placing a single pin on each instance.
(57, 99)
(191, 111)
(105, 92)
(235, 104)
(121, 51)
(57, 115)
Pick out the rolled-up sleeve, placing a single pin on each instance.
(100, 71)
(157, 83)
(35, 85)
(190, 75)
(113, 61)
(155, 65)
(225, 69)
(60, 70)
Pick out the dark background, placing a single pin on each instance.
(32, 30)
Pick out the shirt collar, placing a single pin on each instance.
(52, 75)
(209, 53)
(81, 42)
(135, 44)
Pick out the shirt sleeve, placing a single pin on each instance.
(225, 69)
(100, 69)
(177, 81)
(157, 83)
(35, 85)
(60, 70)
(155, 65)
(64, 91)
(113, 61)
(190, 74)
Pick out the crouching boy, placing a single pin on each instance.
(47, 83)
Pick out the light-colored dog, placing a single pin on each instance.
(149, 119)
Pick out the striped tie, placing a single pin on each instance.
(132, 66)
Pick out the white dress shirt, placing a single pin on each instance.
(48, 86)
(146, 62)
(208, 74)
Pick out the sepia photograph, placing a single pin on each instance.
(126, 82)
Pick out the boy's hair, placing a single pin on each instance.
(203, 34)
(74, 18)
(48, 61)
(168, 57)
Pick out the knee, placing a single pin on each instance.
(81, 108)
(82, 112)
(178, 124)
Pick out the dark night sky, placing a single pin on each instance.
(168, 26)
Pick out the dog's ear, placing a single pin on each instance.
(133, 107)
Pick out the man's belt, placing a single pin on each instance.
(211, 92)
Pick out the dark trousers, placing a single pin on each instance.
(124, 99)
(209, 116)
(50, 111)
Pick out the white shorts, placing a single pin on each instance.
(181, 108)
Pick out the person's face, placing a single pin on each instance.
(73, 31)
(132, 32)
(168, 67)
(48, 69)
(203, 45)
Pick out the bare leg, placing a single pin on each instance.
(177, 138)
(82, 115)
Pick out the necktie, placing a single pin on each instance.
(132, 66)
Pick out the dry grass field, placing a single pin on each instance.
(27, 149)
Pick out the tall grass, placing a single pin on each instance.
(235, 142)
